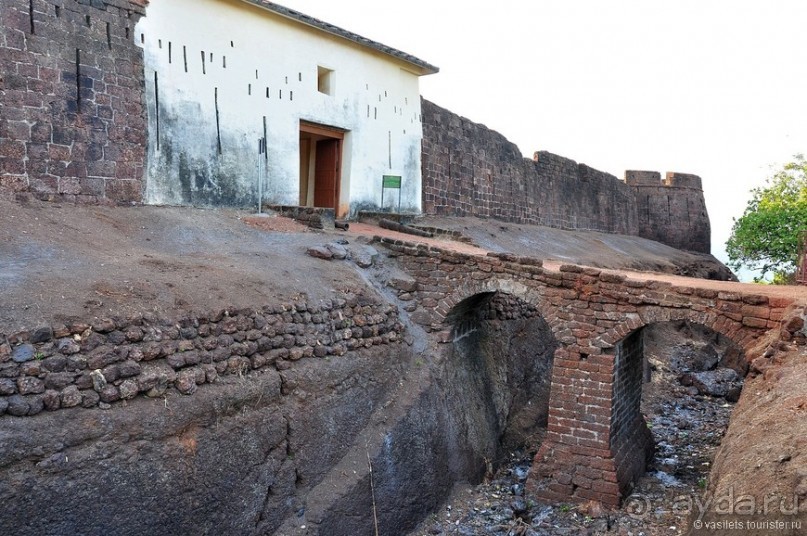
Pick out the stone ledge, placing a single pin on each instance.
(103, 361)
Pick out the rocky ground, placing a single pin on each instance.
(687, 427)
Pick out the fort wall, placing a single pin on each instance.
(471, 170)
(74, 128)
(73, 125)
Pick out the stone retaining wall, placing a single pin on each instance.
(104, 361)
(314, 217)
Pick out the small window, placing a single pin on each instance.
(325, 82)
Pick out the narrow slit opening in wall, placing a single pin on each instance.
(385, 93)
(669, 211)
(406, 100)
(368, 111)
(109, 36)
(218, 121)
(232, 44)
(157, 108)
(249, 89)
(78, 80)
(88, 21)
(291, 95)
(287, 80)
(169, 52)
(280, 94)
(267, 92)
(203, 63)
(142, 38)
(58, 11)
(224, 62)
(299, 77)
(265, 152)
(31, 16)
(160, 44)
(211, 57)
(126, 32)
(375, 113)
(256, 74)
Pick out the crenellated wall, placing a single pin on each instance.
(470, 170)
(73, 125)
(673, 210)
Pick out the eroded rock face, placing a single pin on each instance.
(487, 390)
(236, 458)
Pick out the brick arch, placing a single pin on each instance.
(630, 442)
(508, 286)
(733, 330)
(594, 421)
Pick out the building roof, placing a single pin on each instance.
(422, 66)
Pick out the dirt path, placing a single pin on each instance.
(799, 292)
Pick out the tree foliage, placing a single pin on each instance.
(770, 233)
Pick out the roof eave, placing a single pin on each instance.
(421, 67)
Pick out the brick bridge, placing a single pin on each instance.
(597, 442)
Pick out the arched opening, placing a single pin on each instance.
(500, 365)
(675, 384)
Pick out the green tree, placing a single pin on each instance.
(769, 234)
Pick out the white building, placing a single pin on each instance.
(337, 111)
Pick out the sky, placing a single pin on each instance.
(717, 88)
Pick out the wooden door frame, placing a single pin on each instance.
(334, 133)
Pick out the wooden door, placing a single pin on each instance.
(326, 173)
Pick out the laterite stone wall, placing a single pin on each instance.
(104, 361)
(73, 124)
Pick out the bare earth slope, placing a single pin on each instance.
(590, 248)
(66, 261)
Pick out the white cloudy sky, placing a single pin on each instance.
(712, 87)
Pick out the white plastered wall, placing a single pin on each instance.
(260, 65)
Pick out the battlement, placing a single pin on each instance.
(683, 180)
(642, 178)
(673, 179)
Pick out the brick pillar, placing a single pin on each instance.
(580, 458)
(631, 440)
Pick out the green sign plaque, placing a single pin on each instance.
(391, 181)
